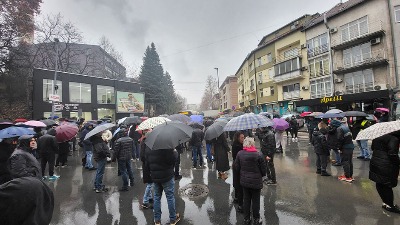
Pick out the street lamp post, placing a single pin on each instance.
(219, 97)
(217, 76)
(56, 41)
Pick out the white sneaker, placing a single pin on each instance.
(296, 139)
(293, 139)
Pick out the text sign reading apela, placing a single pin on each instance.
(338, 98)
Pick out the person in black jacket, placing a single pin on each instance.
(6, 150)
(321, 150)
(100, 154)
(48, 147)
(346, 148)
(311, 125)
(294, 128)
(179, 150)
(268, 148)
(22, 163)
(135, 135)
(221, 149)
(251, 165)
(384, 168)
(237, 146)
(148, 192)
(123, 153)
(197, 144)
(87, 146)
(333, 141)
(62, 154)
(161, 163)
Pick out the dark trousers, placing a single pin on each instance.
(251, 198)
(271, 169)
(294, 132)
(48, 158)
(310, 136)
(347, 162)
(386, 194)
(74, 144)
(62, 159)
(177, 164)
(322, 162)
(239, 195)
(125, 167)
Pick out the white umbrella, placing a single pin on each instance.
(333, 111)
(152, 122)
(378, 130)
(99, 129)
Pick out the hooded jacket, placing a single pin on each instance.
(252, 167)
(100, 148)
(123, 148)
(319, 142)
(345, 138)
(22, 163)
(87, 145)
(267, 142)
(47, 144)
(197, 138)
(161, 164)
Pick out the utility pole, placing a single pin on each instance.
(56, 41)
(219, 97)
(330, 55)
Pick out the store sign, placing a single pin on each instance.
(58, 107)
(338, 98)
(54, 98)
(71, 107)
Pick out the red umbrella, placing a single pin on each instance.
(305, 114)
(66, 132)
(382, 110)
(20, 120)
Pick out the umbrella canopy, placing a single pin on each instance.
(287, 116)
(179, 117)
(222, 119)
(54, 117)
(196, 125)
(20, 120)
(331, 115)
(378, 130)
(5, 124)
(144, 118)
(355, 114)
(49, 122)
(334, 111)
(130, 120)
(215, 130)
(236, 114)
(66, 132)
(99, 129)
(248, 121)
(163, 115)
(116, 131)
(303, 114)
(168, 135)
(152, 122)
(315, 114)
(11, 132)
(34, 123)
(382, 109)
(196, 118)
(280, 124)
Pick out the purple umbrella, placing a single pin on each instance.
(280, 124)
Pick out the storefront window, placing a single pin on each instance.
(47, 85)
(105, 95)
(86, 115)
(48, 114)
(106, 113)
(80, 92)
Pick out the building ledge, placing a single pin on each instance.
(358, 40)
(373, 62)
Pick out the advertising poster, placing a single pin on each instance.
(128, 102)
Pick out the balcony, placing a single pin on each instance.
(288, 76)
(359, 88)
(375, 29)
(291, 95)
(364, 61)
(317, 51)
(296, 53)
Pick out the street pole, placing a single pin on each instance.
(330, 55)
(217, 77)
(56, 41)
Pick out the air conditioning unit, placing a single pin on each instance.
(375, 41)
(305, 88)
(259, 82)
(333, 30)
(303, 46)
(338, 80)
(338, 92)
(377, 88)
(304, 68)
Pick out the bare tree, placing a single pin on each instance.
(210, 95)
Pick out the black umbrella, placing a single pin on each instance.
(215, 130)
(132, 120)
(49, 122)
(168, 135)
(99, 129)
(355, 114)
(196, 125)
(179, 117)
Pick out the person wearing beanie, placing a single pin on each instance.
(252, 167)
(48, 147)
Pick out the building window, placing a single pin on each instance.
(106, 113)
(105, 95)
(360, 81)
(86, 115)
(259, 61)
(252, 85)
(320, 88)
(291, 91)
(80, 92)
(260, 77)
(272, 90)
(291, 53)
(269, 58)
(47, 91)
(354, 29)
(319, 66)
(317, 45)
(271, 73)
(48, 114)
(286, 67)
(356, 55)
(397, 13)
(261, 93)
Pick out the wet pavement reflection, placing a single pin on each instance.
(301, 197)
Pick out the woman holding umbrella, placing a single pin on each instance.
(221, 149)
(237, 146)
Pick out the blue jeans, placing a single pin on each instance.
(197, 153)
(98, 181)
(337, 156)
(363, 145)
(125, 168)
(89, 155)
(169, 188)
(209, 156)
(136, 150)
(148, 193)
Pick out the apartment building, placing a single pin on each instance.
(228, 93)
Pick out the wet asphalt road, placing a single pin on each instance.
(301, 197)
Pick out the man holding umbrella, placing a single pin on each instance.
(197, 142)
(268, 147)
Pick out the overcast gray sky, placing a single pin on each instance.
(192, 36)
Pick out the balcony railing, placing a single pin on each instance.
(291, 55)
(288, 76)
(375, 29)
(317, 51)
(363, 61)
(291, 95)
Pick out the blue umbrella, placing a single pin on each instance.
(11, 132)
(196, 118)
(248, 121)
(331, 115)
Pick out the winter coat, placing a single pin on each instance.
(294, 125)
(26, 201)
(47, 144)
(87, 144)
(5, 153)
(107, 136)
(345, 138)
(145, 166)
(135, 135)
(63, 148)
(24, 164)
(161, 163)
(267, 143)
(236, 148)
(123, 148)
(100, 148)
(320, 143)
(358, 126)
(385, 162)
(221, 150)
(312, 124)
(252, 167)
(197, 138)
(332, 137)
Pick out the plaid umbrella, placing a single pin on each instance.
(152, 122)
(248, 121)
(378, 130)
(215, 130)
(179, 117)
